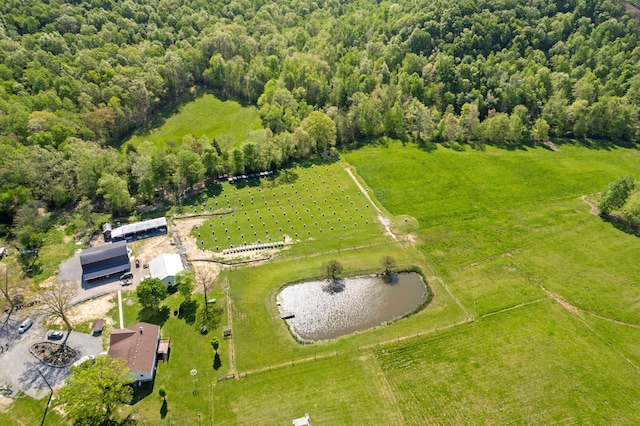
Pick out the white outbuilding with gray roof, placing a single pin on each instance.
(165, 267)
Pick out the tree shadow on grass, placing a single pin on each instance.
(154, 316)
(164, 409)
(217, 362)
(621, 224)
(188, 310)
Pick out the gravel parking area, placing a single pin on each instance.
(22, 370)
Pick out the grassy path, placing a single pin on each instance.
(383, 219)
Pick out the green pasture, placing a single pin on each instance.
(537, 364)
(338, 390)
(494, 285)
(591, 264)
(318, 206)
(206, 115)
(622, 338)
(256, 318)
(447, 185)
(523, 207)
(26, 411)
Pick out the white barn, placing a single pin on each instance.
(165, 267)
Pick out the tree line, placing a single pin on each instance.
(77, 77)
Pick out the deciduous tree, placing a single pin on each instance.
(95, 390)
(114, 189)
(616, 194)
(184, 281)
(332, 270)
(151, 292)
(55, 301)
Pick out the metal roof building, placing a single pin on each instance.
(165, 267)
(104, 260)
(139, 229)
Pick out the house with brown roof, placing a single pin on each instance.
(138, 346)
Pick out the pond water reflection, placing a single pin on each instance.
(324, 310)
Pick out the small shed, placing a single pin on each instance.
(97, 327)
(165, 267)
(106, 231)
(302, 421)
(164, 349)
(226, 332)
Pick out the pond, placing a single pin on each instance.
(324, 310)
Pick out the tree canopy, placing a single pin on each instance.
(184, 282)
(151, 292)
(77, 77)
(94, 390)
(332, 269)
(617, 194)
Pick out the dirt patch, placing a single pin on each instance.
(382, 218)
(592, 204)
(149, 248)
(552, 146)
(183, 228)
(90, 310)
(5, 402)
(53, 353)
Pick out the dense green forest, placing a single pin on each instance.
(77, 77)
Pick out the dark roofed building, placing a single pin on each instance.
(138, 346)
(104, 260)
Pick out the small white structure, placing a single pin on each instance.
(302, 421)
(165, 267)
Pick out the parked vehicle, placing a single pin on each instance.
(55, 335)
(25, 325)
(126, 276)
(84, 359)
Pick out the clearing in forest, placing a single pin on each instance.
(206, 115)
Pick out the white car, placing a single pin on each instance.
(25, 325)
(83, 360)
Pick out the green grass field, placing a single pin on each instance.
(206, 115)
(535, 312)
(534, 365)
(318, 207)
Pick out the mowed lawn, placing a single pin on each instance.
(264, 340)
(189, 350)
(318, 207)
(516, 220)
(339, 390)
(446, 185)
(537, 364)
(207, 115)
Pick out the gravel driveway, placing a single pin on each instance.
(20, 368)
